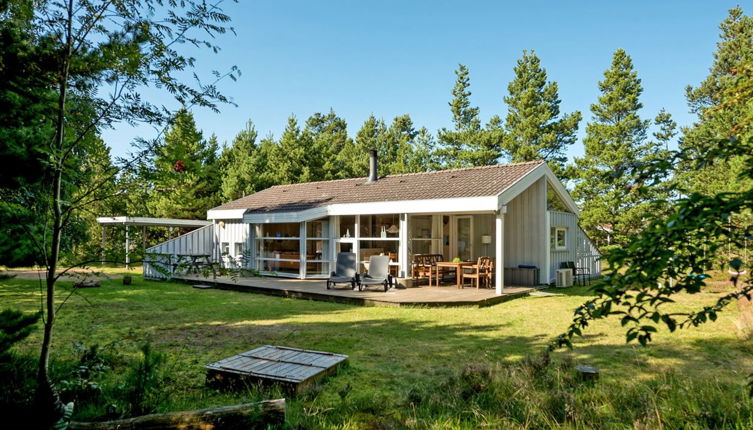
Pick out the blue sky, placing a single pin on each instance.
(394, 57)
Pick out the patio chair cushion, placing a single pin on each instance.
(346, 265)
(379, 267)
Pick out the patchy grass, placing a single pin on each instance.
(409, 364)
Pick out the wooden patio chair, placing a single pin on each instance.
(481, 272)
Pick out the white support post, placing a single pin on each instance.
(499, 244)
(334, 229)
(402, 255)
(357, 241)
(127, 250)
(302, 240)
(250, 250)
(104, 238)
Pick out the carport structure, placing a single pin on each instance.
(143, 222)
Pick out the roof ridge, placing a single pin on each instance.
(457, 169)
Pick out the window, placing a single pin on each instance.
(559, 238)
(348, 226)
(279, 248)
(424, 235)
(379, 247)
(380, 226)
(225, 248)
(238, 249)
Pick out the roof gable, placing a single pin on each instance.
(443, 184)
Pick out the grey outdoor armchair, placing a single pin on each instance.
(346, 271)
(378, 273)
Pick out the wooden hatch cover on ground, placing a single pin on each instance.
(291, 368)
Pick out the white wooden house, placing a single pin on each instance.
(519, 214)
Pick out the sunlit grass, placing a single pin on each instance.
(392, 350)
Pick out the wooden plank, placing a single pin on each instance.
(286, 365)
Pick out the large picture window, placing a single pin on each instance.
(318, 247)
(279, 248)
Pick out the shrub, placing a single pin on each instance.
(141, 392)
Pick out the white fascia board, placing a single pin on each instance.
(461, 204)
(156, 222)
(225, 213)
(299, 216)
(541, 171)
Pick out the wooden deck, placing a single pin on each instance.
(444, 296)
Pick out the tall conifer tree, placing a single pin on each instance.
(241, 166)
(734, 51)
(328, 136)
(186, 178)
(534, 127)
(468, 144)
(288, 159)
(616, 146)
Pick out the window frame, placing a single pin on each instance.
(555, 238)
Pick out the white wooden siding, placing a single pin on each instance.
(526, 238)
(198, 241)
(232, 231)
(483, 225)
(579, 248)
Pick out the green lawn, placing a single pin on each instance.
(393, 352)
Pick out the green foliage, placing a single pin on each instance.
(673, 253)
(715, 120)
(534, 127)
(186, 174)
(289, 156)
(14, 327)
(617, 190)
(142, 391)
(241, 165)
(468, 144)
(324, 137)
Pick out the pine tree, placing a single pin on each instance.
(398, 146)
(287, 161)
(241, 165)
(610, 180)
(534, 127)
(328, 136)
(371, 135)
(734, 51)
(423, 156)
(468, 144)
(185, 178)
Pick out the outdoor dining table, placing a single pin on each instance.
(194, 261)
(458, 266)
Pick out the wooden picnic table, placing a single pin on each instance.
(457, 265)
(194, 261)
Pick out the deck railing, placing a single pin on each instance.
(158, 261)
(587, 255)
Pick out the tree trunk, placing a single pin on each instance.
(260, 415)
(47, 401)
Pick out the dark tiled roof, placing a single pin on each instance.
(442, 184)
